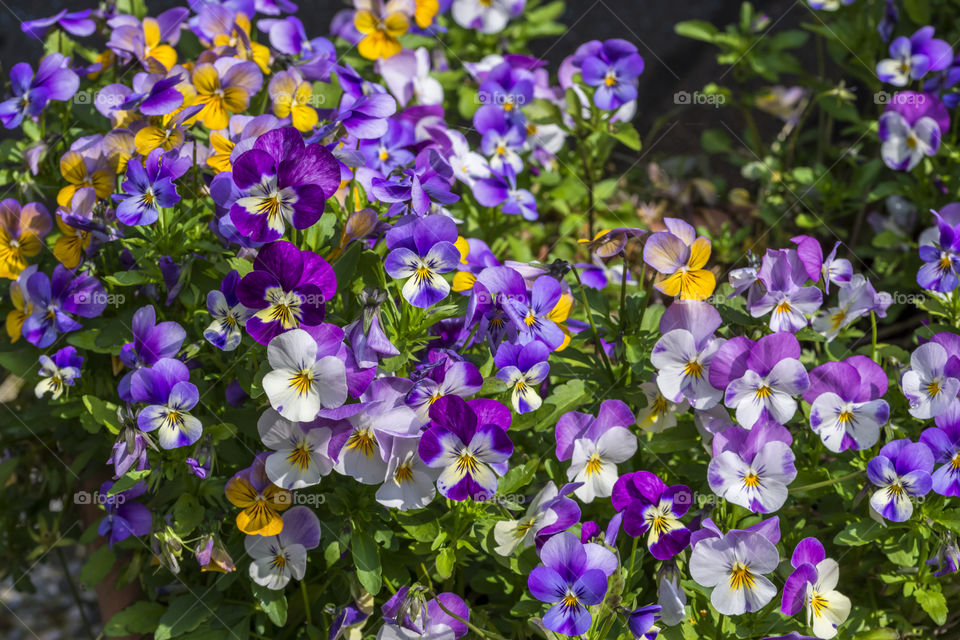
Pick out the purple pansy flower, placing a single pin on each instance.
(912, 58)
(613, 70)
(911, 128)
(944, 442)
(416, 190)
(651, 507)
(54, 80)
(902, 472)
(228, 314)
(56, 299)
(734, 564)
(129, 452)
(522, 368)
(407, 616)
(365, 334)
(390, 150)
(930, 384)
(532, 316)
(845, 406)
(682, 355)
(550, 512)
(642, 622)
(364, 117)
(76, 23)
(760, 378)
(149, 186)
(501, 189)
(444, 377)
(58, 372)
(287, 289)
(753, 468)
(469, 448)
(166, 389)
(421, 250)
(783, 274)
(813, 583)
(284, 181)
(124, 517)
(572, 578)
(941, 257)
(152, 342)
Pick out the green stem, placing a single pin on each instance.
(826, 483)
(593, 326)
(306, 602)
(873, 330)
(623, 295)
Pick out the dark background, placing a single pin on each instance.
(673, 63)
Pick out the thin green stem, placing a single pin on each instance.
(826, 483)
(306, 602)
(593, 326)
(873, 331)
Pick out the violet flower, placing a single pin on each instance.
(124, 517)
(166, 389)
(522, 368)
(150, 186)
(573, 577)
(56, 300)
(911, 128)
(652, 508)
(287, 289)
(813, 584)
(784, 274)
(942, 257)
(421, 250)
(228, 314)
(944, 441)
(912, 58)
(76, 23)
(682, 355)
(613, 70)
(845, 406)
(760, 378)
(54, 80)
(285, 182)
(58, 372)
(753, 468)
(902, 472)
(549, 513)
(929, 384)
(152, 341)
(470, 450)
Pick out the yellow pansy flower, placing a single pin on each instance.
(261, 509)
(80, 172)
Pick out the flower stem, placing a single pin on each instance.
(593, 326)
(306, 602)
(826, 483)
(873, 328)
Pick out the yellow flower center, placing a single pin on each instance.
(302, 381)
(763, 392)
(467, 463)
(693, 369)
(594, 463)
(933, 388)
(300, 457)
(741, 577)
(751, 480)
(363, 441)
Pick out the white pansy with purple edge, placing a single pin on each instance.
(420, 251)
(304, 378)
(408, 483)
(753, 468)
(549, 512)
(812, 585)
(734, 566)
(845, 406)
(300, 451)
(486, 16)
(276, 559)
(855, 299)
(788, 302)
(944, 442)
(926, 384)
(682, 356)
(522, 368)
(760, 378)
(902, 472)
(361, 448)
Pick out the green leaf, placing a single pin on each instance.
(918, 10)
(127, 481)
(185, 614)
(626, 134)
(878, 634)
(140, 617)
(272, 603)
(446, 560)
(366, 557)
(240, 265)
(859, 533)
(97, 566)
(696, 29)
(518, 477)
(933, 602)
(187, 514)
(127, 278)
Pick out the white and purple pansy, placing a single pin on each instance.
(550, 512)
(812, 585)
(228, 314)
(444, 376)
(928, 384)
(469, 443)
(522, 368)
(276, 559)
(902, 472)
(753, 468)
(284, 181)
(682, 355)
(760, 378)
(300, 455)
(650, 507)
(786, 299)
(911, 128)
(532, 315)
(408, 482)
(166, 389)
(846, 409)
(420, 251)
(944, 442)
(307, 374)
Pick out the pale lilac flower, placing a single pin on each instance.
(845, 406)
(927, 385)
(682, 355)
(902, 472)
(753, 468)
